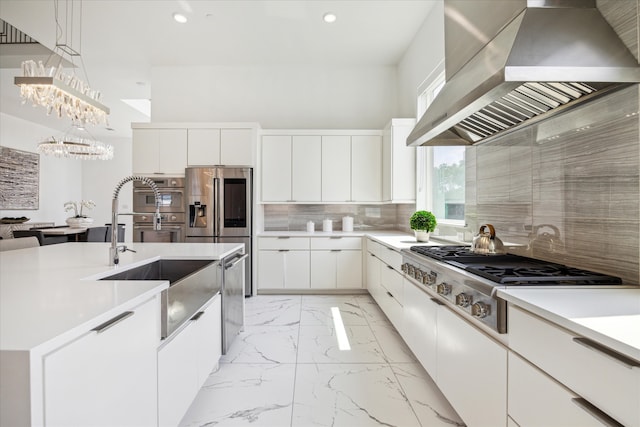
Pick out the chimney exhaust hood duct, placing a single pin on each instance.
(550, 57)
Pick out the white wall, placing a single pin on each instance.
(424, 56)
(60, 179)
(282, 96)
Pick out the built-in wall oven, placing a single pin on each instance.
(172, 211)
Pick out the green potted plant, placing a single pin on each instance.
(422, 223)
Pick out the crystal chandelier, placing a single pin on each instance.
(48, 85)
(74, 146)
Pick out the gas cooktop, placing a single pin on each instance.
(510, 269)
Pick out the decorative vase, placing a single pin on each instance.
(421, 235)
(75, 222)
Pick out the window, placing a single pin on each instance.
(441, 170)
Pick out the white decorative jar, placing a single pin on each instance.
(421, 235)
(74, 222)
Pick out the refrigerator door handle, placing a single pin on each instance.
(217, 206)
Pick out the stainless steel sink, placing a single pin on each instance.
(165, 269)
(191, 284)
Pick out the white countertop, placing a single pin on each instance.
(50, 293)
(608, 316)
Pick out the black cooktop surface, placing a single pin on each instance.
(509, 269)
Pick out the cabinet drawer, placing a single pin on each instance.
(391, 280)
(601, 379)
(391, 257)
(537, 400)
(374, 247)
(275, 243)
(336, 243)
(391, 308)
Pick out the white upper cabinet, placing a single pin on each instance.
(306, 172)
(237, 147)
(336, 168)
(321, 168)
(203, 147)
(276, 168)
(158, 151)
(398, 162)
(208, 147)
(366, 168)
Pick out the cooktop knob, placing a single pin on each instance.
(443, 289)
(418, 275)
(405, 267)
(480, 310)
(463, 300)
(430, 278)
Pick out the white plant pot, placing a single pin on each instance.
(421, 235)
(74, 222)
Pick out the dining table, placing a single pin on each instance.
(64, 231)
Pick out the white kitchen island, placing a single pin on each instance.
(53, 307)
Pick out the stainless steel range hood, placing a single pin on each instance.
(547, 59)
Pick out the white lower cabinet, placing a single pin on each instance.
(373, 265)
(283, 263)
(336, 263)
(107, 377)
(536, 400)
(607, 383)
(472, 371)
(185, 362)
(420, 321)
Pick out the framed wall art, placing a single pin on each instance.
(19, 179)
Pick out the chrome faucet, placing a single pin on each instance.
(115, 249)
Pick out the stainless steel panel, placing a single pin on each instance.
(248, 265)
(232, 298)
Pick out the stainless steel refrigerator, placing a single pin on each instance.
(219, 209)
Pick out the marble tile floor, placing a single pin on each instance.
(286, 369)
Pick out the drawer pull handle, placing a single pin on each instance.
(283, 250)
(110, 323)
(197, 316)
(336, 250)
(390, 294)
(389, 267)
(595, 412)
(437, 301)
(283, 237)
(335, 237)
(627, 362)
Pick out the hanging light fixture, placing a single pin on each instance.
(48, 85)
(76, 143)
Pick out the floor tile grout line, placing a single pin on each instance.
(295, 370)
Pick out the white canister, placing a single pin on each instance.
(327, 225)
(311, 227)
(347, 223)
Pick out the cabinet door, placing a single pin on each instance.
(306, 160)
(236, 147)
(271, 269)
(403, 177)
(373, 276)
(472, 371)
(172, 146)
(537, 400)
(276, 168)
(297, 270)
(349, 269)
(106, 377)
(177, 375)
(323, 269)
(420, 325)
(203, 147)
(145, 151)
(209, 342)
(336, 168)
(366, 168)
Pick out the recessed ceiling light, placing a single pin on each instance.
(329, 17)
(178, 17)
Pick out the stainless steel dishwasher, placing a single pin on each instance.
(232, 297)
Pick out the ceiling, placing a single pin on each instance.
(122, 40)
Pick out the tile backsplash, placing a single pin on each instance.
(566, 189)
(365, 217)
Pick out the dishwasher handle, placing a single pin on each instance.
(238, 258)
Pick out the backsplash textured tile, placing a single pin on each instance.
(295, 217)
(567, 189)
